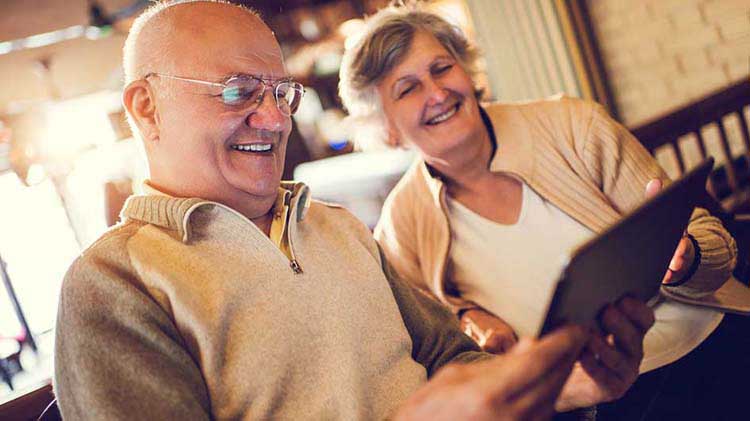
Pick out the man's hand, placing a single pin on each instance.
(489, 331)
(610, 361)
(683, 255)
(522, 384)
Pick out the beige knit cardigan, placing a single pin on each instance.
(573, 155)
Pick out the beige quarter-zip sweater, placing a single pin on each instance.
(187, 311)
(574, 156)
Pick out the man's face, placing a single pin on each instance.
(200, 151)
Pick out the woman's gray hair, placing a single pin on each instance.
(384, 43)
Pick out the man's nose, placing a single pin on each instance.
(436, 93)
(266, 115)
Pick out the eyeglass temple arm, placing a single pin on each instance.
(202, 82)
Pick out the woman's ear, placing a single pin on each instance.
(138, 98)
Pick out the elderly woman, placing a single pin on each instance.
(502, 191)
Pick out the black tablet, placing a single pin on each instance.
(629, 258)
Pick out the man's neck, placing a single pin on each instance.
(248, 208)
(264, 223)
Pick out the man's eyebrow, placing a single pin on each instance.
(258, 76)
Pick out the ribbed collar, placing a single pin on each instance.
(173, 213)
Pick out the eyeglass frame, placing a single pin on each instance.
(263, 81)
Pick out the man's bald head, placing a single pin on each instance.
(154, 35)
(191, 135)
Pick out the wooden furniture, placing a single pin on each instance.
(730, 182)
(26, 336)
(30, 404)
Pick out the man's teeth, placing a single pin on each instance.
(442, 117)
(255, 147)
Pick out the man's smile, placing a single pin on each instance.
(253, 147)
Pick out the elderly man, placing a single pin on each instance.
(225, 294)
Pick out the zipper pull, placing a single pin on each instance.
(295, 267)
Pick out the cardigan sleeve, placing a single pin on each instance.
(396, 234)
(118, 356)
(436, 336)
(622, 167)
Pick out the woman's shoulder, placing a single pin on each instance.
(412, 195)
(560, 107)
(558, 120)
(412, 185)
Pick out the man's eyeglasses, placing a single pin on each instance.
(243, 89)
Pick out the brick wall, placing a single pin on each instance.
(660, 54)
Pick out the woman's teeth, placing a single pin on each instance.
(255, 147)
(444, 116)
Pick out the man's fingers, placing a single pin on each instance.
(626, 335)
(538, 400)
(609, 358)
(533, 362)
(638, 312)
(653, 187)
(609, 384)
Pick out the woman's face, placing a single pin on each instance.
(428, 100)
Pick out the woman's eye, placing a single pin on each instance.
(405, 91)
(442, 69)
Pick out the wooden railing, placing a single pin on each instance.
(729, 183)
(28, 404)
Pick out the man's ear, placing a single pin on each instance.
(138, 98)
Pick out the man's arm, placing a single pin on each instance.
(436, 336)
(117, 353)
(526, 381)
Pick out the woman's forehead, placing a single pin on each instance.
(422, 52)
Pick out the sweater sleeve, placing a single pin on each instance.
(436, 337)
(622, 167)
(118, 356)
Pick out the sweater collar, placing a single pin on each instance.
(512, 153)
(173, 213)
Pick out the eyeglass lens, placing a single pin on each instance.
(239, 91)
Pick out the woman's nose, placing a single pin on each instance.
(436, 93)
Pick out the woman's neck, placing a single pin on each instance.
(471, 173)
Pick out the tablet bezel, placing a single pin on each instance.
(619, 251)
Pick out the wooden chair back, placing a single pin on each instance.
(723, 115)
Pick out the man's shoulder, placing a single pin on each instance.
(322, 212)
(106, 258)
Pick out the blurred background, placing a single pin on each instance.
(68, 159)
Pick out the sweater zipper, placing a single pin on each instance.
(293, 263)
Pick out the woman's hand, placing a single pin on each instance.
(489, 331)
(685, 252)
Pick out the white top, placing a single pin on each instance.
(511, 270)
